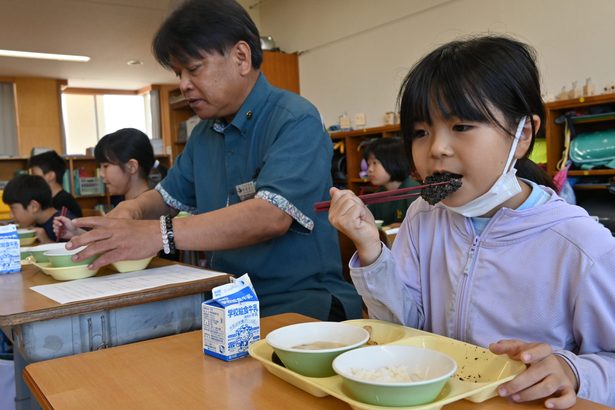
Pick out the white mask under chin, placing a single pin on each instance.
(501, 191)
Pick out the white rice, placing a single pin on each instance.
(394, 374)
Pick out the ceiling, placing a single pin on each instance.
(111, 32)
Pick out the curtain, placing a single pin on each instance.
(8, 127)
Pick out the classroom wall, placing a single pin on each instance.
(355, 53)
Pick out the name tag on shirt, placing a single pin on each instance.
(247, 190)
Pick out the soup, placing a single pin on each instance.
(319, 345)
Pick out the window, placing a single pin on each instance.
(89, 117)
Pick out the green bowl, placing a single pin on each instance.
(62, 258)
(26, 233)
(394, 375)
(309, 348)
(25, 252)
(39, 251)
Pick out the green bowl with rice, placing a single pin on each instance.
(394, 375)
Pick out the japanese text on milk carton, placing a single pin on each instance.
(231, 320)
(9, 249)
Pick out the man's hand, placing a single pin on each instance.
(115, 239)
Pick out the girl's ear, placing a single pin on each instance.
(525, 139)
(132, 166)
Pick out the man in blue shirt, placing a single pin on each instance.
(251, 172)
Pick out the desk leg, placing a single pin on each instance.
(23, 397)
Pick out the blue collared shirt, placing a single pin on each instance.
(277, 142)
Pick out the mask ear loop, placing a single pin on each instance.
(511, 161)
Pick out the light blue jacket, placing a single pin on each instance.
(544, 274)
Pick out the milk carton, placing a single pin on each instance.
(231, 320)
(9, 249)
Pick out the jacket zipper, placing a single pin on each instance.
(462, 303)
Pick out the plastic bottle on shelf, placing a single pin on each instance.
(574, 92)
(588, 88)
(344, 122)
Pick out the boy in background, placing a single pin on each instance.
(52, 167)
(29, 198)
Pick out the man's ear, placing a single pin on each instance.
(242, 56)
(528, 133)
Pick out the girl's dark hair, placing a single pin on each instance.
(473, 80)
(391, 154)
(199, 26)
(25, 188)
(125, 144)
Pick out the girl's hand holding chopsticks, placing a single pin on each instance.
(349, 215)
(64, 228)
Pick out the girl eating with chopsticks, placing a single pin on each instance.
(502, 261)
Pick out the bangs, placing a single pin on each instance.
(445, 92)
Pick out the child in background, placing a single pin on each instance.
(29, 198)
(389, 169)
(503, 261)
(125, 158)
(52, 167)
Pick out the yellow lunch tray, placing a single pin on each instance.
(479, 372)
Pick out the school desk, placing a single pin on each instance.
(172, 373)
(42, 329)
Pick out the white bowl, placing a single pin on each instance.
(129, 266)
(290, 342)
(394, 375)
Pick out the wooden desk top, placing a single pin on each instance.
(22, 305)
(172, 372)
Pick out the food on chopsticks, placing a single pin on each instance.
(439, 186)
(431, 189)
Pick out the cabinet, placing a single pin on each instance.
(584, 120)
(352, 143)
(281, 70)
(9, 166)
(590, 186)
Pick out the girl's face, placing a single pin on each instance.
(376, 173)
(115, 178)
(477, 151)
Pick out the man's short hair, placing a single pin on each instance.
(199, 26)
(49, 161)
(24, 188)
